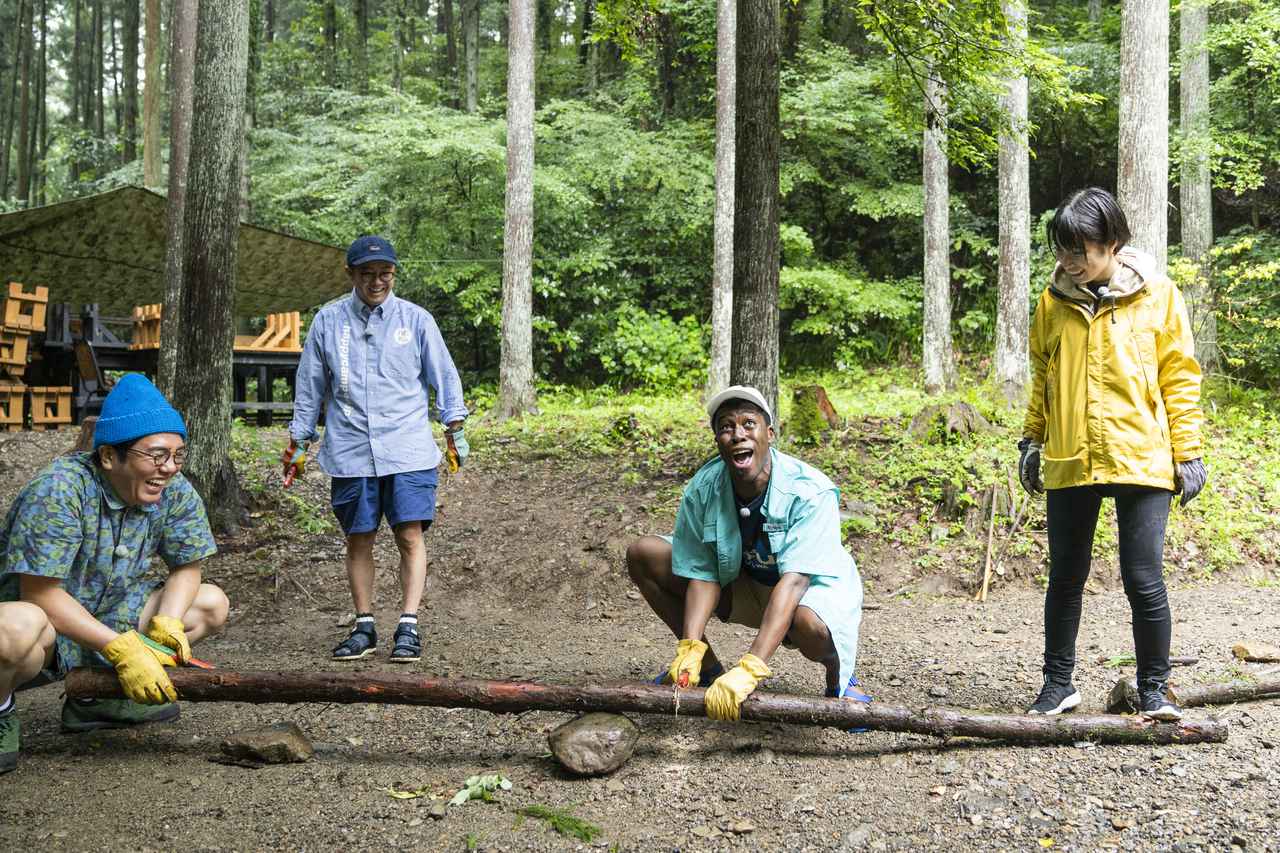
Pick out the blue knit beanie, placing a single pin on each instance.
(135, 408)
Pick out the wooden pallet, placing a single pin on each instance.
(12, 399)
(25, 311)
(282, 334)
(50, 406)
(146, 326)
(13, 350)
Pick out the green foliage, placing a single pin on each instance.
(1247, 272)
(830, 317)
(563, 822)
(480, 787)
(643, 350)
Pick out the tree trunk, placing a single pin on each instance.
(131, 25)
(939, 360)
(40, 144)
(269, 20)
(151, 162)
(202, 378)
(181, 81)
(99, 73)
(11, 101)
(1095, 10)
(756, 250)
(331, 43)
(515, 374)
(546, 17)
(509, 697)
(722, 264)
(793, 11)
(24, 105)
(1143, 167)
(444, 24)
(1010, 363)
(666, 63)
(471, 36)
(362, 45)
(587, 8)
(117, 111)
(1195, 188)
(399, 40)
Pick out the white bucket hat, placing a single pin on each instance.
(738, 392)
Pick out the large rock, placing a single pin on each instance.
(594, 744)
(282, 743)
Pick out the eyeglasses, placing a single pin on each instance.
(160, 457)
(369, 276)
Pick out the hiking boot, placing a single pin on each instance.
(1055, 698)
(407, 646)
(88, 715)
(1154, 704)
(8, 741)
(361, 642)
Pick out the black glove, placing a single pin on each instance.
(1189, 477)
(1029, 466)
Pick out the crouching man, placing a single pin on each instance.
(757, 543)
(75, 552)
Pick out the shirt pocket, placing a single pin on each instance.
(401, 360)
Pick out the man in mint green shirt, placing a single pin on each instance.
(757, 543)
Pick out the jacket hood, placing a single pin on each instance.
(1134, 268)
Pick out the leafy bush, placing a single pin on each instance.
(833, 318)
(1247, 275)
(645, 350)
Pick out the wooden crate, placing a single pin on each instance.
(12, 398)
(282, 334)
(13, 349)
(25, 311)
(146, 326)
(50, 406)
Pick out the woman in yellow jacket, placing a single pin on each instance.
(1114, 413)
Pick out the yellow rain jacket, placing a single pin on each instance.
(1115, 391)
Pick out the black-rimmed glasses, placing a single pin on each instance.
(160, 457)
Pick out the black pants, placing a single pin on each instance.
(1141, 514)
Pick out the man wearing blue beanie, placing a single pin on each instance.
(75, 554)
(372, 362)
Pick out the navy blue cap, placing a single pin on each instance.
(370, 248)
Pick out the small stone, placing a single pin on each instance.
(1179, 770)
(594, 744)
(615, 787)
(938, 791)
(417, 821)
(344, 620)
(999, 630)
(703, 831)
(1121, 823)
(767, 756)
(858, 837)
(1239, 840)
(948, 767)
(438, 809)
(742, 827)
(282, 743)
(937, 691)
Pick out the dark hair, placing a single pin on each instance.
(1090, 214)
(736, 403)
(121, 449)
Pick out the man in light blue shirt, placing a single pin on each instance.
(371, 360)
(757, 542)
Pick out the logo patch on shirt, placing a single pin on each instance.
(402, 336)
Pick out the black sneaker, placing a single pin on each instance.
(8, 741)
(361, 642)
(408, 646)
(89, 715)
(1154, 704)
(1055, 698)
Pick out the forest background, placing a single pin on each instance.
(389, 116)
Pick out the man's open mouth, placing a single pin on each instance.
(742, 458)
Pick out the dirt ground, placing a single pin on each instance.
(527, 582)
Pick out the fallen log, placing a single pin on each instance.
(1124, 695)
(762, 706)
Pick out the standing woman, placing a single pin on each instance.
(1114, 413)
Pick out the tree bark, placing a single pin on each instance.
(1124, 695)
(543, 24)
(471, 38)
(117, 102)
(1010, 362)
(939, 360)
(444, 24)
(99, 73)
(587, 10)
(40, 142)
(362, 45)
(666, 62)
(1196, 188)
(722, 263)
(508, 697)
(24, 104)
(11, 101)
(754, 350)
(269, 20)
(515, 374)
(1143, 168)
(793, 12)
(331, 43)
(181, 83)
(132, 20)
(1095, 10)
(202, 376)
(151, 162)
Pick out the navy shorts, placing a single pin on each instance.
(361, 502)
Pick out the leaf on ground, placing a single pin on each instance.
(1120, 660)
(563, 822)
(1046, 843)
(408, 795)
(480, 788)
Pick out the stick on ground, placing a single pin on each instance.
(514, 696)
(1124, 695)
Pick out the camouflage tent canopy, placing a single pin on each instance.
(109, 249)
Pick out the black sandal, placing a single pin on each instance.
(361, 642)
(408, 646)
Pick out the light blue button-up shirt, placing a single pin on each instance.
(372, 370)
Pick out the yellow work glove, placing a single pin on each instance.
(688, 660)
(725, 695)
(140, 674)
(168, 631)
